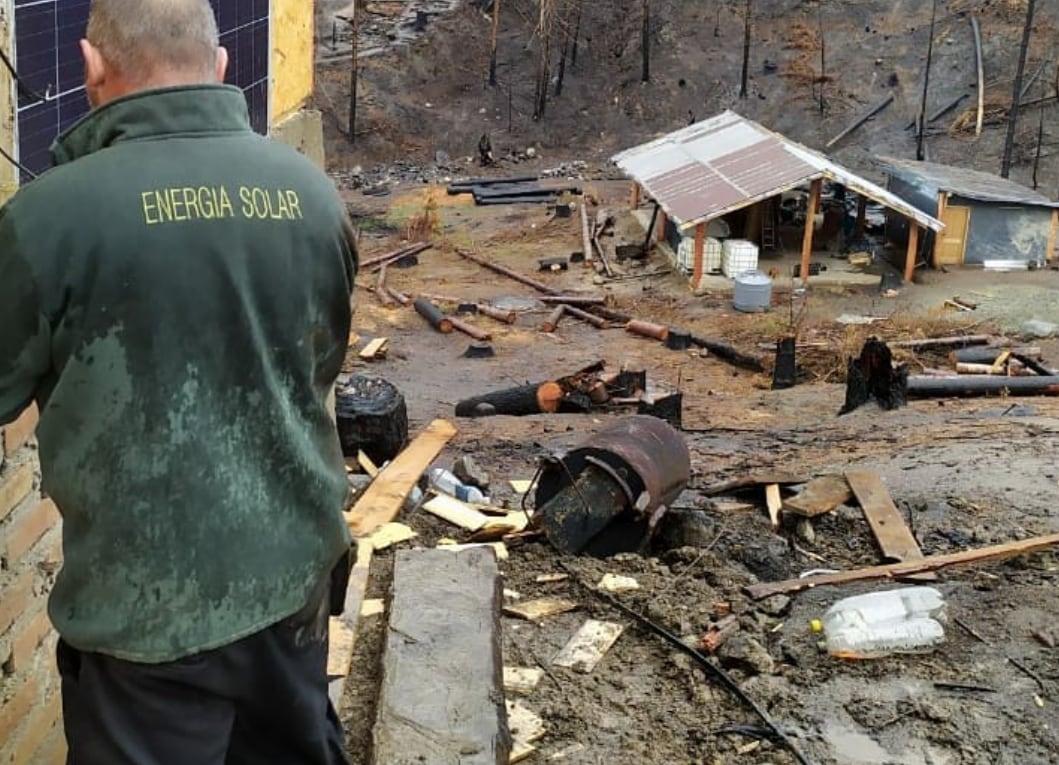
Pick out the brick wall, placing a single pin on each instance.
(30, 551)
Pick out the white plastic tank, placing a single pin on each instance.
(738, 256)
(753, 292)
(711, 255)
(906, 620)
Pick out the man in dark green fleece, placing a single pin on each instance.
(175, 296)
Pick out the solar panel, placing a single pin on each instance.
(49, 62)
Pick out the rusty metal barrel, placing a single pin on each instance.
(604, 496)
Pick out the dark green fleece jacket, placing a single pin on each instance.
(175, 295)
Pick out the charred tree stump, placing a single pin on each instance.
(371, 416)
(785, 374)
(872, 376)
(543, 398)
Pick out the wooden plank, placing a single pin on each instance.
(522, 680)
(588, 646)
(810, 222)
(894, 537)
(441, 697)
(913, 249)
(390, 534)
(535, 610)
(902, 571)
(376, 349)
(366, 464)
(343, 628)
(775, 504)
(382, 501)
(456, 512)
(526, 728)
(1053, 234)
(821, 495)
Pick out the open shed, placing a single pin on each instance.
(728, 163)
(989, 220)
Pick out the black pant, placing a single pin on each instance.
(259, 701)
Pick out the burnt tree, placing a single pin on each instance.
(921, 133)
(492, 52)
(743, 91)
(645, 42)
(1016, 93)
(544, 31)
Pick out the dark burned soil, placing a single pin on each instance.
(964, 474)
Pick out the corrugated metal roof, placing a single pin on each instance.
(972, 184)
(728, 162)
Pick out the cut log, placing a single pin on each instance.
(965, 368)
(542, 398)
(552, 322)
(578, 300)
(507, 317)
(470, 330)
(504, 271)
(961, 341)
(371, 415)
(727, 353)
(968, 386)
(400, 297)
(899, 571)
(648, 329)
(382, 501)
(586, 649)
(444, 632)
(433, 315)
(821, 495)
(609, 315)
(988, 355)
(596, 321)
(894, 537)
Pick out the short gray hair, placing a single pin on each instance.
(141, 37)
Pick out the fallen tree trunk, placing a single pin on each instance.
(433, 314)
(970, 386)
(980, 355)
(505, 271)
(959, 341)
(728, 353)
(902, 570)
(542, 398)
(862, 119)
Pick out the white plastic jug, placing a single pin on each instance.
(906, 620)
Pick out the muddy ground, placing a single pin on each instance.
(964, 474)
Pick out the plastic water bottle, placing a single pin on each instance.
(446, 482)
(906, 620)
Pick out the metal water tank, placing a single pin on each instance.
(753, 292)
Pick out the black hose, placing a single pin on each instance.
(716, 672)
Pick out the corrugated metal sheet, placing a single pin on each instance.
(725, 163)
(971, 184)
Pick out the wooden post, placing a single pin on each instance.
(1050, 254)
(661, 232)
(810, 216)
(635, 201)
(943, 202)
(862, 217)
(913, 246)
(700, 254)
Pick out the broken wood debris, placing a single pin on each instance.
(901, 570)
(617, 583)
(505, 271)
(390, 534)
(343, 628)
(522, 680)
(718, 633)
(456, 512)
(821, 495)
(526, 728)
(541, 608)
(552, 322)
(395, 255)
(892, 534)
(586, 649)
(375, 350)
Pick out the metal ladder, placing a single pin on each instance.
(769, 236)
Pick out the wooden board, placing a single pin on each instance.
(367, 465)
(441, 697)
(372, 607)
(525, 725)
(343, 628)
(376, 349)
(588, 646)
(894, 537)
(902, 571)
(499, 548)
(821, 495)
(382, 501)
(522, 680)
(455, 512)
(535, 610)
(390, 534)
(774, 500)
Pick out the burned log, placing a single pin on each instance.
(611, 316)
(433, 314)
(785, 372)
(982, 385)
(1032, 364)
(931, 343)
(872, 376)
(724, 351)
(542, 398)
(372, 417)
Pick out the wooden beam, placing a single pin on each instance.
(897, 571)
(660, 233)
(862, 217)
(441, 697)
(635, 197)
(1052, 236)
(382, 501)
(810, 220)
(343, 629)
(700, 254)
(894, 537)
(939, 236)
(913, 247)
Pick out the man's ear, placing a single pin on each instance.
(95, 67)
(222, 63)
